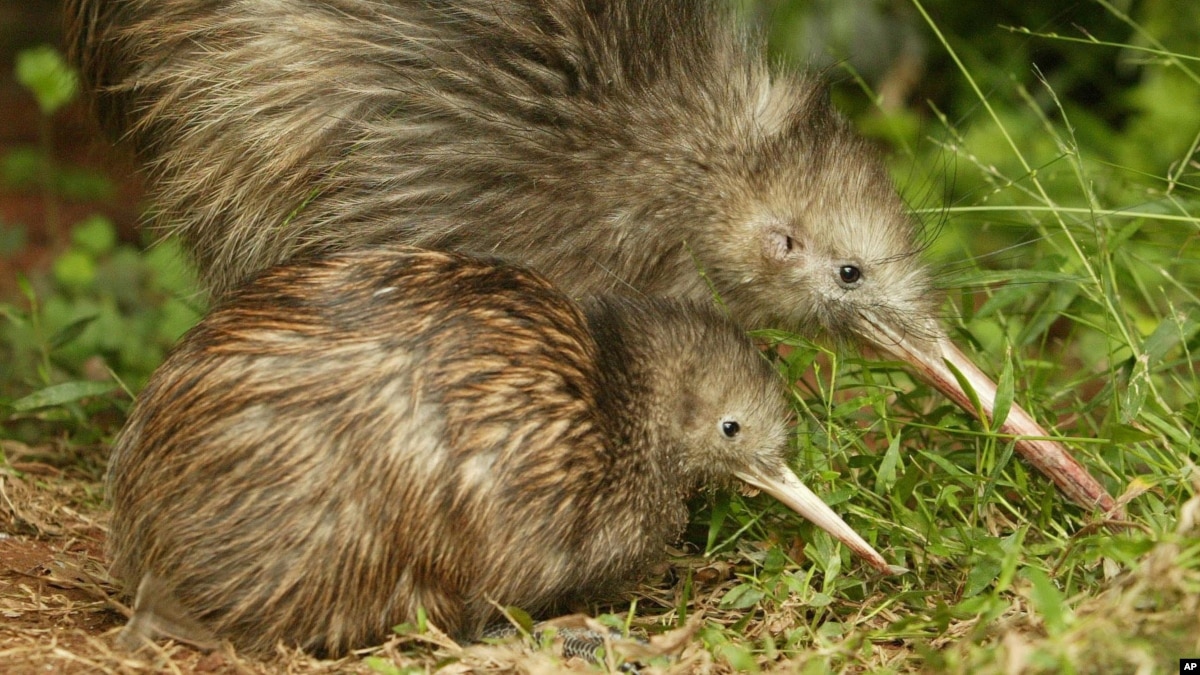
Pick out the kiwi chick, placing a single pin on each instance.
(344, 441)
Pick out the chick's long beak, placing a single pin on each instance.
(787, 488)
(930, 358)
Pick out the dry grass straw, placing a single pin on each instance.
(61, 614)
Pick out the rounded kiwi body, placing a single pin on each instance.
(344, 441)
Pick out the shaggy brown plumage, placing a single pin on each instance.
(342, 442)
(631, 143)
(606, 145)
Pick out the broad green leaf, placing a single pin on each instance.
(43, 71)
(1124, 434)
(95, 235)
(523, 619)
(1047, 600)
(75, 269)
(720, 509)
(886, 475)
(742, 596)
(967, 388)
(1004, 392)
(980, 576)
(1136, 390)
(739, 658)
(59, 394)
(69, 332)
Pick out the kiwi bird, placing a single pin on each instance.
(343, 441)
(634, 144)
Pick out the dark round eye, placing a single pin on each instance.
(849, 274)
(730, 428)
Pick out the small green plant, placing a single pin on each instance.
(42, 71)
(103, 316)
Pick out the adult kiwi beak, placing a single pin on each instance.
(933, 358)
(787, 488)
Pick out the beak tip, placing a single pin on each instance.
(1051, 458)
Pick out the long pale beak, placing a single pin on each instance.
(930, 356)
(787, 488)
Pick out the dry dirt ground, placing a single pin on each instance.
(60, 614)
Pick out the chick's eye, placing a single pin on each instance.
(849, 274)
(730, 428)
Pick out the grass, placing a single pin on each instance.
(1069, 247)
